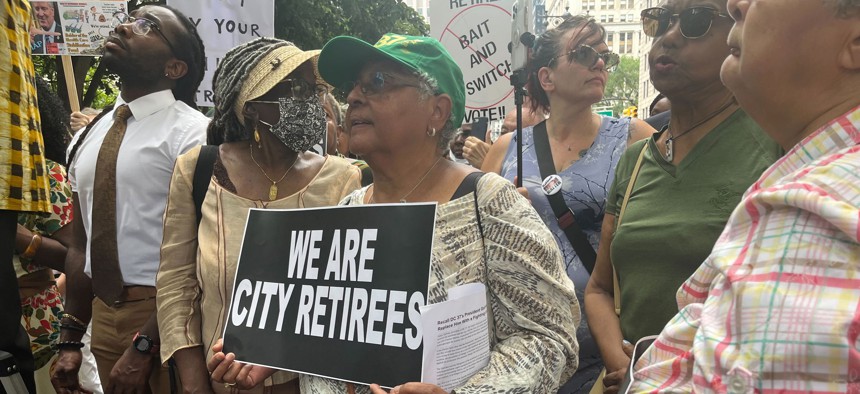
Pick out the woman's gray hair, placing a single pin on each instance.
(429, 87)
(336, 109)
(846, 8)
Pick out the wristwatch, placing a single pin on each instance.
(144, 344)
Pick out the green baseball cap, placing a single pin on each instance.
(343, 57)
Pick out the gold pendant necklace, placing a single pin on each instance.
(273, 190)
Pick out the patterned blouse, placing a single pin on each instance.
(534, 309)
(40, 316)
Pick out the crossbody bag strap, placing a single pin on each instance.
(565, 217)
(202, 177)
(630, 184)
(633, 176)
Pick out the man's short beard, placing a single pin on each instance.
(133, 72)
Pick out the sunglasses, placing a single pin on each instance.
(377, 83)
(139, 26)
(296, 88)
(587, 56)
(695, 21)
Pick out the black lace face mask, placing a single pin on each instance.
(301, 124)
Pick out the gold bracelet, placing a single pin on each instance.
(33, 247)
(74, 319)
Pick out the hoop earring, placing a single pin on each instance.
(257, 139)
(432, 132)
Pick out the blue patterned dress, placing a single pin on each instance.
(585, 185)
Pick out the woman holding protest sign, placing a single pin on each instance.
(405, 96)
(569, 159)
(257, 158)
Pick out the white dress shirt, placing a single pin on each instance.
(160, 129)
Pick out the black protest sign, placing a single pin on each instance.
(334, 292)
(479, 129)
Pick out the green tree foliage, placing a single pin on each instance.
(311, 23)
(622, 88)
(307, 23)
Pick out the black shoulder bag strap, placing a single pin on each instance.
(202, 176)
(563, 214)
(468, 185)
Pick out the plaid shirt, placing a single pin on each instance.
(23, 179)
(776, 306)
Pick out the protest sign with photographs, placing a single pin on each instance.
(76, 28)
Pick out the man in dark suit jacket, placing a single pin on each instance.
(47, 22)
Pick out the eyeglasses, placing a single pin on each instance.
(695, 21)
(378, 82)
(587, 56)
(297, 88)
(139, 26)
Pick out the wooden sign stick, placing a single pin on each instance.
(71, 89)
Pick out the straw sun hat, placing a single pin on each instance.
(271, 70)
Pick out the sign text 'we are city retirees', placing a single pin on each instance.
(334, 292)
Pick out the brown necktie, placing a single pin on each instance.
(104, 258)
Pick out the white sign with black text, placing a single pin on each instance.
(223, 24)
(477, 34)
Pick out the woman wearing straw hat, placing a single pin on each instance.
(262, 162)
(406, 96)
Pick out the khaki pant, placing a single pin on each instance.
(113, 330)
(291, 387)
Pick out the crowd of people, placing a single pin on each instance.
(727, 225)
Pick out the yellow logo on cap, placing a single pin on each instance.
(392, 39)
(389, 39)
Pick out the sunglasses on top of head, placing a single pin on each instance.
(587, 56)
(695, 22)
